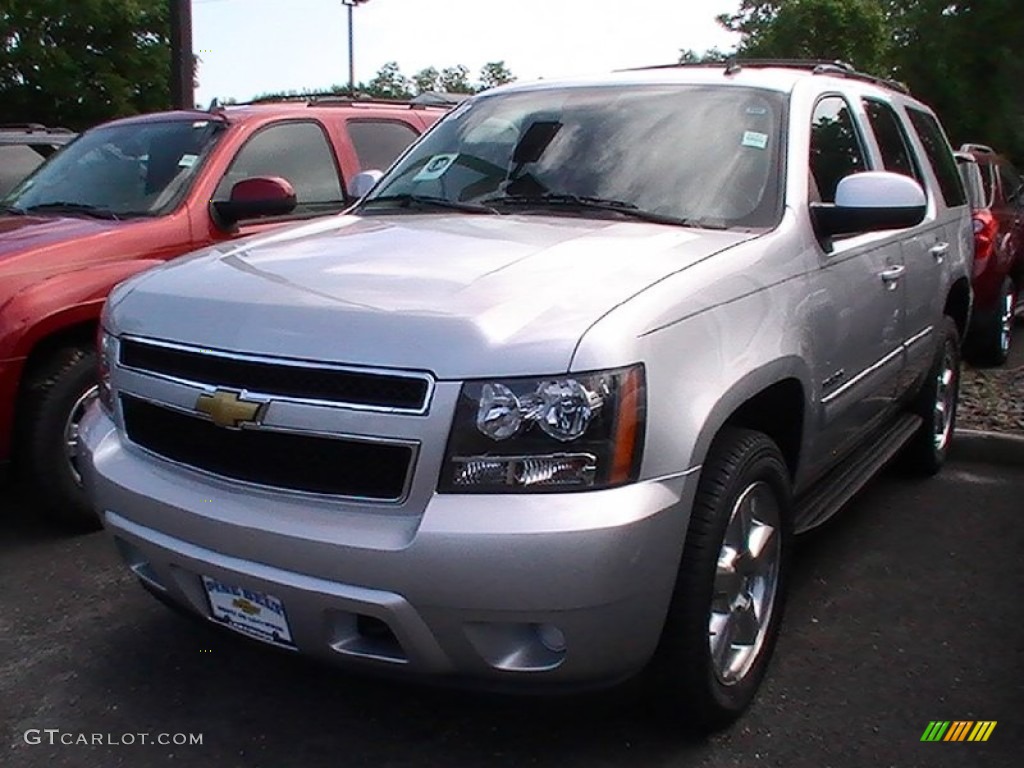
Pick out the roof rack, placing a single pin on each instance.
(330, 99)
(835, 68)
(982, 149)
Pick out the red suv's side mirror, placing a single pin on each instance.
(255, 198)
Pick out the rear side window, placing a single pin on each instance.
(970, 174)
(1011, 182)
(897, 156)
(298, 152)
(836, 150)
(378, 143)
(940, 156)
(988, 179)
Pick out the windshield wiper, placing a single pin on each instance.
(408, 200)
(12, 209)
(591, 203)
(63, 207)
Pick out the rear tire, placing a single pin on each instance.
(54, 400)
(990, 341)
(936, 404)
(727, 607)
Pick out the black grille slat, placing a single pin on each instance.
(378, 390)
(282, 460)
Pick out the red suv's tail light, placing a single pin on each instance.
(985, 230)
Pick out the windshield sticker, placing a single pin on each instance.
(755, 139)
(757, 110)
(435, 167)
(200, 123)
(187, 161)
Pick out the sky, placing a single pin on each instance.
(248, 47)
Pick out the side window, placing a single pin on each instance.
(1011, 183)
(378, 143)
(940, 156)
(298, 152)
(836, 150)
(897, 156)
(988, 178)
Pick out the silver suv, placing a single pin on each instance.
(546, 408)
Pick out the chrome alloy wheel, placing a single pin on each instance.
(1006, 313)
(72, 446)
(945, 399)
(746, 581)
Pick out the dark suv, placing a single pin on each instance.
(999, 260)
(24, 147)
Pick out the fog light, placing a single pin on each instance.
(552, 637)
(556, 470)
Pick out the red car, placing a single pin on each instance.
(127, 196)
(999, 258)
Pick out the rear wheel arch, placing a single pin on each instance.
(958, 304)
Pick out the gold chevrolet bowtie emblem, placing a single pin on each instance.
(227, 409)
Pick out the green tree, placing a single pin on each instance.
(79, 62)
(388, 83)
(428, 79)
(710, 56)
(856, 31)
(456, 80)
(495, 73)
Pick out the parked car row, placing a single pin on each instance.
(998, 273)
(129, 195)
(546, 407)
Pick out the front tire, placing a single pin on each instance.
(56, 396)
(727, 606)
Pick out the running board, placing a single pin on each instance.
(831, 493)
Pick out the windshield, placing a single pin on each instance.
(138, 169)
(708, 156)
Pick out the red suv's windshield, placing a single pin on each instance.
(135, 169)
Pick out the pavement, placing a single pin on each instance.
(904, 609)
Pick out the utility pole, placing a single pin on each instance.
(182, 57)
(351, 4)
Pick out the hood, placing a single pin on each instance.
(458, 295)
(31, 233)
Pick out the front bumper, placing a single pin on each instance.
(538, 591)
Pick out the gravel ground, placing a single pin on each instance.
(993, 398)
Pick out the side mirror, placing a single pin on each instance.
(255, 198)
(872, 201)
(364, 182)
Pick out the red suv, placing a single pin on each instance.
(127, 196)
(999, 257)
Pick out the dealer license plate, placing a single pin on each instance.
(253, 613)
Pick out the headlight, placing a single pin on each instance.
(573, 432)
(105, 353)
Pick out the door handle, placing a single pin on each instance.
(892, 275)
(939, 251)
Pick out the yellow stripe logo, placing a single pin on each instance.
(958, 730)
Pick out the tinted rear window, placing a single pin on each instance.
(940, 155)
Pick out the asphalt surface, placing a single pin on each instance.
(905, 609)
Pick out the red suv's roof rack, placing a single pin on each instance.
(982, 149)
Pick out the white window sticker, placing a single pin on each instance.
(187, 161)
(435, 167)
(755, 139)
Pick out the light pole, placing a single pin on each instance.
(351, 4)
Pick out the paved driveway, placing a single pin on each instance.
(904, 610)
